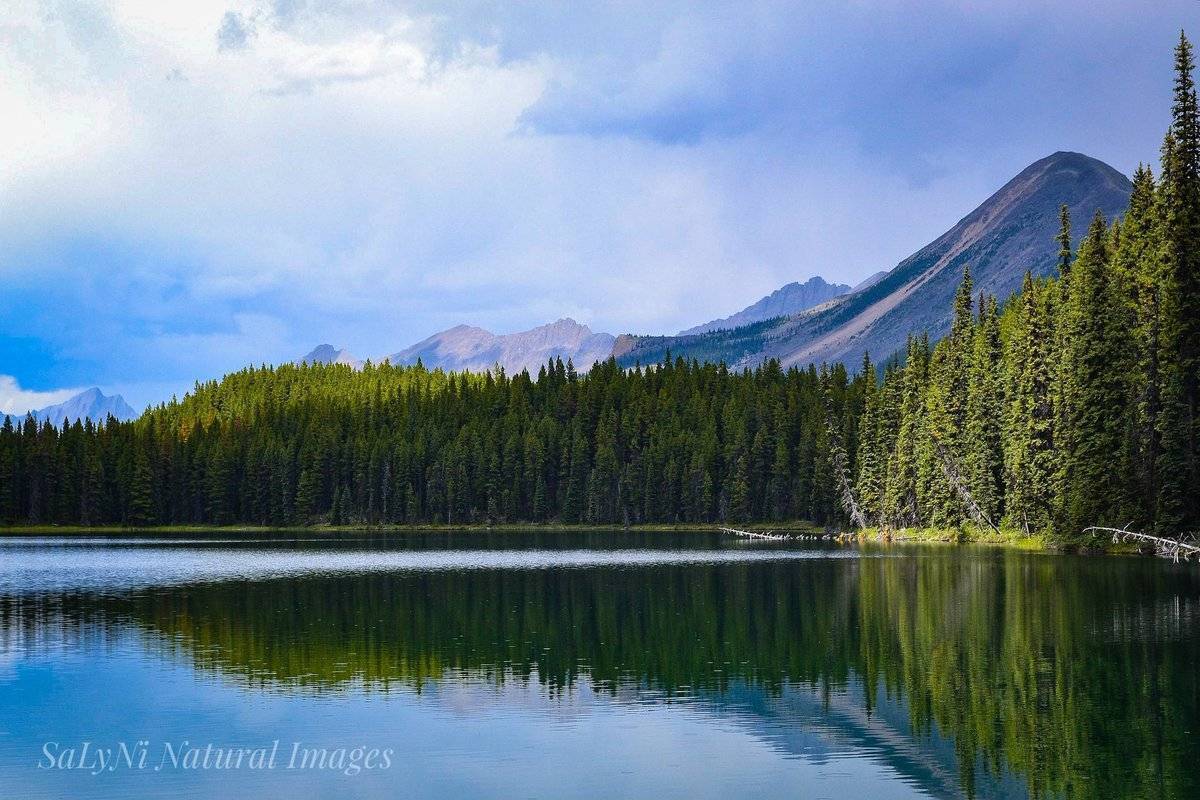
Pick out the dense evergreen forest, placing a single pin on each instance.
(1075, 402)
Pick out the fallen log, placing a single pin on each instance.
(841, 469)
(775, 537)
(1164, 547)
(954, 476)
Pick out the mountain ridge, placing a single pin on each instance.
(466, 347)
(1010, 232)
(791, 298)
(90, 404)
(328, 354)
(471, 348)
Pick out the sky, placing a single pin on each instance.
(188, 188)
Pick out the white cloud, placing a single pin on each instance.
(16, 401)
(183, 194)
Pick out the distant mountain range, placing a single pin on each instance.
(464, 347)
(328, 354)
(783, 302)
(817, 321)
(92, 404)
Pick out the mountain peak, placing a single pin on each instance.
(785, 301)
(467, 348)
(328, 354)
(90, 404)
(1010, 232)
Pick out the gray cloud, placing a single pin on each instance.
(235, 32)
(368, 173)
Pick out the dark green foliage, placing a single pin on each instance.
(983, 445)
(304, 444)
(1064, 241)
(1096, 370)
(1030, 454)
(1179, 209)
(900, 493)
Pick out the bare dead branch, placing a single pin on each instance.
(1173, 549)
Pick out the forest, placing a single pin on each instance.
(1075, 402)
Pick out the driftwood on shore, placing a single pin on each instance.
(789, 537)
(776, 537)
(1173, 549)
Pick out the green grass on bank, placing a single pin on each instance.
(968, 534)
(965, 535)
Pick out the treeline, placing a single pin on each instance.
(300, 444)
(1076, 403)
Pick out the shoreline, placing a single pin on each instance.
(968, 535)
(506, 527)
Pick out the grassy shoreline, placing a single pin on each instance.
(964, 535)
(689, 527)
(875, 536)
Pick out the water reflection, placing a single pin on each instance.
(972, 672)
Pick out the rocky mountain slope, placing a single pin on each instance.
(783, 302)
(1011, 232)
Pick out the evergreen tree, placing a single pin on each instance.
(1179, 469)
(1097, 365)
(900, 495)
(139, 509)
(1030, 462)
(1064, 241)
(984, 458)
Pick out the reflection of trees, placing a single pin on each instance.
(1080, 675)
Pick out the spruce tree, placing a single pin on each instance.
(937, 441)
(984, 460)
(1064, 241)
(1030, 462)
(1097, 365)
(872, 452)
(1179, 470)
(900, 507)
(139, 509)
(1137, 267)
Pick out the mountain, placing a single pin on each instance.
(468, 348)
(92, 404)
(869, 282)
(1011, 232)
(783, 302)
(328, 354)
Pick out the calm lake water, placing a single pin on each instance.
(600, 665)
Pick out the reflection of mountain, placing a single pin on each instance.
(819, 724)
(993, 674)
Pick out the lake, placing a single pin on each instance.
(590, 665)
